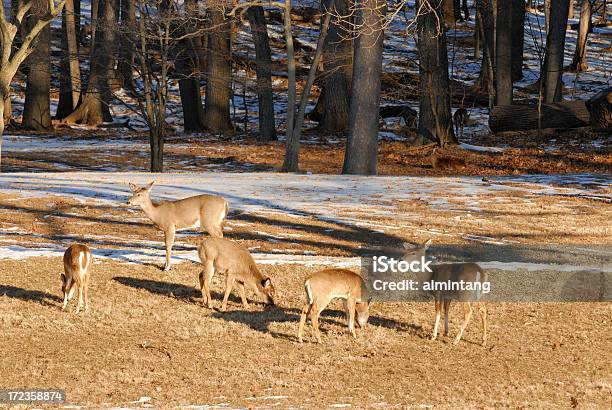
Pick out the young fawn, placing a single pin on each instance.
(323, 286)
(452, 272)
(460, 119)
(204, 211)
(235, 261)
(77, 268)
(441, 163)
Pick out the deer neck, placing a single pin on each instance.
(151, 210)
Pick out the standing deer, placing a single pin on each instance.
(204, 211)
(77, 267)
(454, 273)
(323, 286)
(461, 117)
(235, 261)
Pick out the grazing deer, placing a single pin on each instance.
(441, 163)
(451, 272)
(461, 117)
(323, 286)
(204, 211)
(77, 267)
(235, 261)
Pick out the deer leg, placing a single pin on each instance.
(467, 314)
(205, 282)
(483, 315)
(305, 311)
(229, 283)
(245, 304)
(350, 308)
(169, 239)
(446, 307)
(80, 299)
(315, 311)
(437, 320)
(85, 289)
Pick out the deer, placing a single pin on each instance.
(205, 211)
(234, 260)
(442, 163)
(324, 286)
(455, 273)
(77, 268)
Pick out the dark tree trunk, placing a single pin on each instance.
(263, 56)
(94, 108)
(218, 73)
(70, 71)
(188, 68)
(362, 141)
(125, 65)
(487, 34)
(579, 62)
(334, 101)
(566, 114)
(156, 141)
(503, 53)
(36, 110)
(95, 7)
(518, 38)
(555, 46)
(435, 121)
(449, 12)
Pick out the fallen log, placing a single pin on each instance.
(600, 107)
(564, 114)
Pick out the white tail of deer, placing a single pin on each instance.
(77, 267)
(235, 261)
(452, 272)
(205, 211)
(323, 286)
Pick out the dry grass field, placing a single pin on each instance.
(148, 335)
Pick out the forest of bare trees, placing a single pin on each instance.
(142, 53)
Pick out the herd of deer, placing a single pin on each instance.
(234, 260)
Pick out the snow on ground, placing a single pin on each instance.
(350, 201)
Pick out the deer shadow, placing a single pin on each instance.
(37, 296)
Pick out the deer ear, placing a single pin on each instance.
(150, 185)
(266, 282)
(133, 187)
(63, 277)
(427, 243)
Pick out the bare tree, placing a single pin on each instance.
(362, 143)
(579, 62)
(263, 56)
(10, 59)
(70, 71)
(555, 46)
(435, 121)
(503, 53)
(37, 106)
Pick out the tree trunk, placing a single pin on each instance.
(292, 145)
(570, 14)
(95, 7)
(334, 101)
(4, 94)
(36, 110)
(503, 53)
(435, 121)
(263, 56)
(486, 24)
(218, 73)
(362, 141)
(125, 65)
(156, 141)
(94, 108)
(70, 71)
(566, 114)
(555, 46)
(449, 12)
(518, 38)
(579, 62)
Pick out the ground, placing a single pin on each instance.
(148, 340)
(148, 335)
